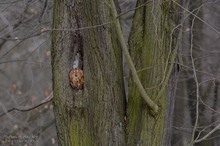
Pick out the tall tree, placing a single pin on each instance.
(95, 115)
(99, 114)
(197, 94)
(153, 51)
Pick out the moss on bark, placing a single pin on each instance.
(94, 116)
(152, 49)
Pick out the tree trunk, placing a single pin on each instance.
(153, 51)
(95, 115)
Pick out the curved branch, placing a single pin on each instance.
(146, 97)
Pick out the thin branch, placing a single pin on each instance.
(182, 65)
(218, 32)
(144, 4)
(25, 110)
(47, 30)
(11, 2)
(77, 29)
(208, 134)
(23, 38)
(146, 97)
(30, 61)
(83, 28)
(210, 108)
(171, 57)
(197, 84)
(204, 129)
(11, 49)
(43, 11)
(182, 129)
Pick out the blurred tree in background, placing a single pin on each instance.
(197, 101)
(25, 73)
(169, 42)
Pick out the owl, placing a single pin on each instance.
(76, 78)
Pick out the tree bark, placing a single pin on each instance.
(95, 115)
(153, 51)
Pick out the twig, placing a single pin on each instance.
(11, 2)
(144, 4)
(149, 102)
(25, 110)
(83, 28)
(208, 134)
(43, 11)
(218, 32)
(197, 84)
(30, 61)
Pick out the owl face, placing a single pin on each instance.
(76, 78)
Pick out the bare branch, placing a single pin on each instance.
(198, 16)
(197, 84)
(141, 89)
(208, 134)
(43, 11)
(11, 2)
(144, 4)
(28, 109)
(30, 61)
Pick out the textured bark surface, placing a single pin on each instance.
(103, 75)
(69, 105)
(152, 50)
(95, 115)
